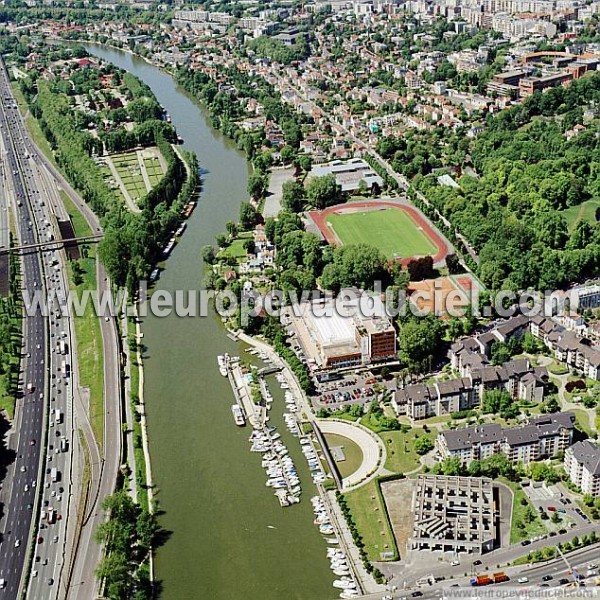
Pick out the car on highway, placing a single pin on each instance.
(23, 468)
(32, 442)
(563, 581)
(546, 577)
(50, 581)
(17, 543)
(523, 580)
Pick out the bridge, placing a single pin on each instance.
(53, 243)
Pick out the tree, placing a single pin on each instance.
(423, 445)
(453, 264)
(248, 216)
(499, 402)
(257, 185)
(209, 254)
(419, 341)
(323, 191)
(356, 265)
(231, 228)
(421, 268)
(293, 196)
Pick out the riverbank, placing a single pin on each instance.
(212, 495)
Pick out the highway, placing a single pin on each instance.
(20, 490)
(103, 459)
(62, 535)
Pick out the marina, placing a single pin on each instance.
(338, 561)
(211, 511)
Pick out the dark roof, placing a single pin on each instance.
(517, 436)
(459, 439)
(588, 455)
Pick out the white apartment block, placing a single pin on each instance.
(582, 465)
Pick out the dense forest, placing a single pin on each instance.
(531, 165)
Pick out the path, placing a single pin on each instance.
(131, 205)
(565, 404)
(372, 449)
(140, 157)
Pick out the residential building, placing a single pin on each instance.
(544, 436)
(582, 465)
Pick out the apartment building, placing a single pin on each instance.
(582, 465)
(517, 377)
(575, 351)
(543, 437)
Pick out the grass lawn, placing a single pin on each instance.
(236, 248)
(90, 355)
(583, 212)
(32, 125)
(369, 514)
(138, 450)
(583, 421)
(391, 230)
(401, 455)
(520, 514)
(557, 368)
(353, 455)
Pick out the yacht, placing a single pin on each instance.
(223, 361)
(238, 415)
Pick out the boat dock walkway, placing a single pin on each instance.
(255, 414)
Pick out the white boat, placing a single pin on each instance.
(349, 593)
(339, 572)
(223, 361)
(326, 529)
(238, 415)
(344, 583)
(333, 541)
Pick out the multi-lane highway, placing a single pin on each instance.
(38, 495)
(70, 562)
(19, 493)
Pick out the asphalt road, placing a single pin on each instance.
(19, 495)
(104, 461)
(542, 575)
(53, 533)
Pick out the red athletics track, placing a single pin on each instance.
(319, 217)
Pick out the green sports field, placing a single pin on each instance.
(391, 230)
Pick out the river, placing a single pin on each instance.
(230, 538)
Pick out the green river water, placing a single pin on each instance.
(230, 538)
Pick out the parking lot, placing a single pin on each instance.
(554, 499)
(348, 390)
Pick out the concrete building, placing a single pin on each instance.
(349, 174)
(582, 465)
(337, 339)
(543, 437)
(454, 514)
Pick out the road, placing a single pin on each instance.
(104, 460)
(547, 574)
(64, 562)
(22, 492)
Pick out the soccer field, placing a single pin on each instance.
(391, 230)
